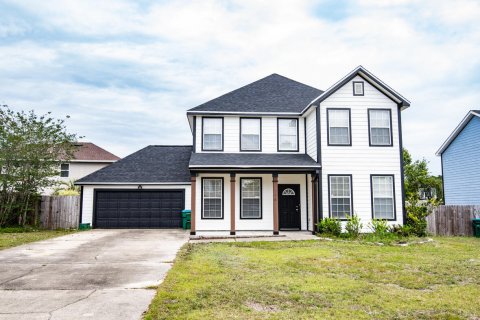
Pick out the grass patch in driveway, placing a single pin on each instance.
(12, 237)
(323, 280)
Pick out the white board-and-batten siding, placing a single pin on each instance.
(311, 133)
(231, 134)
(360, 159)
(88, 196)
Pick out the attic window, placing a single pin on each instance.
(358, 88)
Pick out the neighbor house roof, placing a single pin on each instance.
(90, 152)
(251, 160)
(152, 164)
(272, 94)
(370, 78)
(458, 129)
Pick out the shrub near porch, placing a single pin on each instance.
(321, 279)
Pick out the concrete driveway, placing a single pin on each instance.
(98, 274)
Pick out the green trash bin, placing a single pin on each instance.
(476, 227)
(186, 219)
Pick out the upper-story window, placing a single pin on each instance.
(250, 134)
(287, 134)
(380, 127)
(212, 135)
(358, 88)
(339, 127)
(64, 170)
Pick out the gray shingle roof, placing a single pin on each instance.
(152, 164)
(274, 93)
(252, 160)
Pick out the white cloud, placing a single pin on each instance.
(141, 67)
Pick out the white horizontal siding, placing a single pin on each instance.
(204, 226)
(360, 160)
(88, 191)
(231, 138)
(312, 134)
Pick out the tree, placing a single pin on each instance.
(31, 150)
(417, 178)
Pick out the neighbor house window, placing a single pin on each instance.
(358, 88)
(250, 134)
(287, 134)
(251, 198)
(212, 198)
(383, 197)
(340, 196)
(212, 134)
(64, 170)
(380, 127)
(339, 131)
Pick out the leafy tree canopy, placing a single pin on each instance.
(31, 149)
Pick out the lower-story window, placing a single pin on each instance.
(212, 198)
(340, 187)
(251, 198)
(383, 197)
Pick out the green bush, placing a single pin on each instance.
(329, 226)
(379, 227)
(353, 226)
(401, 231)
(416, 217)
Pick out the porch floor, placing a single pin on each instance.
(254, 236)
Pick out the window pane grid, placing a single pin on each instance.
(380, 131)
(212, 198)
(339, 126)
(340, 196)
(383, 204)
(251, 198)
(287, 134)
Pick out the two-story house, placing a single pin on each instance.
(273, 155)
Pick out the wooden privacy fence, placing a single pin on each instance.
(452, 220)
(59, 212)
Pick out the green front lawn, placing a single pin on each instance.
(323, 280)
(11, 237)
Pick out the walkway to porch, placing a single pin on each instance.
(254, 236)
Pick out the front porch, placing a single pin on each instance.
(249, 204)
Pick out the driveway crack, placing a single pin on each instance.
(73, 302)
(23, 275)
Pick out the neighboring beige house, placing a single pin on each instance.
(87, 159)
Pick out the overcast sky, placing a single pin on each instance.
(126, 71)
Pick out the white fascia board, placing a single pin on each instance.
(244, 112)
(366, 74)
(456, 132)
(248, 167)
(133, 183)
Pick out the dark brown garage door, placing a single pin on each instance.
(138, 208)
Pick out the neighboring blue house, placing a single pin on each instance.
(461, 162)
